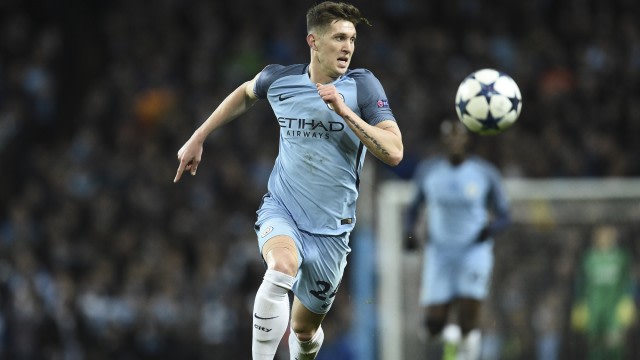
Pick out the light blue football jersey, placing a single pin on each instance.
(459, 199)
(317, 170)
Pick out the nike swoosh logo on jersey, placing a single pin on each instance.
(263, 318)
(283, 97)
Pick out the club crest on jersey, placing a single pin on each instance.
(471, 189)
(331, 107)
(266, 231)
(382, 103)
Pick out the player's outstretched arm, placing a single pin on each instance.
(383, 140)
(231, 107)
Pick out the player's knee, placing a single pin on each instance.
(283, 260)
(467, 325)
(286, 267)
(281, 255)
(435, 325)
(469, 314)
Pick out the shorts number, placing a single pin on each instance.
(324, 288)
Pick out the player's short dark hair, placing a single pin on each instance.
(326, 13)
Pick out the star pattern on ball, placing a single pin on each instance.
(488, 91)
(515, 102)
(491, 122)
(462, 105)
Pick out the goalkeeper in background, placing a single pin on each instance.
(604, 308)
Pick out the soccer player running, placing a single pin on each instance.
(329, 116)
(466, 205)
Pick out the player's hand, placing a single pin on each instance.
(626, 311)
(189, 157)
(331, 97)
(579, 317)
(410, 242)
(484, 235)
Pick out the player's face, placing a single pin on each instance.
(456, 139)
(605, 237)
(334, 48)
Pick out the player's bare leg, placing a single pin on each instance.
(459, 340)
(435, 320)
(306, 336)
(469, 321)
(271, 306)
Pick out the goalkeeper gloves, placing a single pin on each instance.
(579, 317)
(626, 311)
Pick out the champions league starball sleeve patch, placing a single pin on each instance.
(383, 103)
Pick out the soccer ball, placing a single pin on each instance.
(488, 102)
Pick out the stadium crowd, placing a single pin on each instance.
(103, 257)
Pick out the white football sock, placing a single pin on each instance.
(270, 314)
(469, 348)
(452, 334)
(305, 350)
